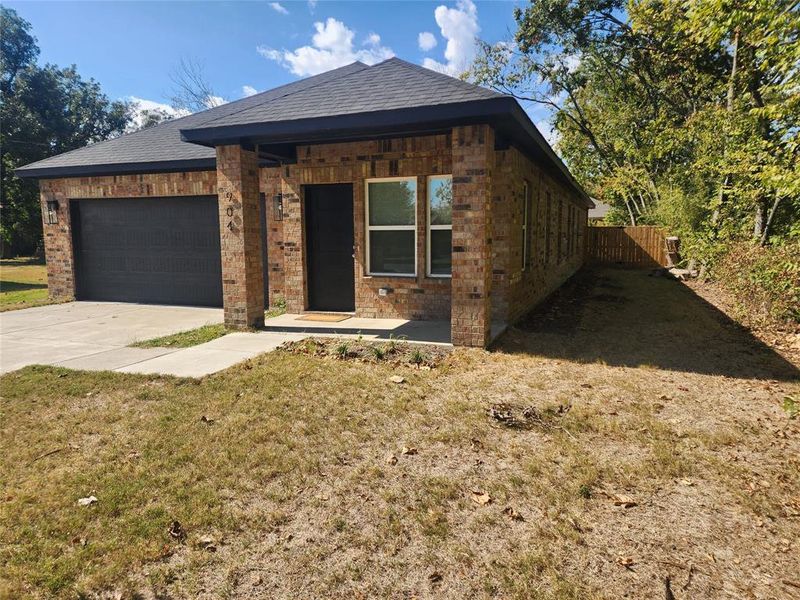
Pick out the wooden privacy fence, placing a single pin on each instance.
(642, 246)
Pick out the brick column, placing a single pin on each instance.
(58, 248)
(473, 159)
(240, 235)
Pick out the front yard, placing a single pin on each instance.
(626, 433)
(23, 283)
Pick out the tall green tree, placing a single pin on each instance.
(678, 113)
(44, 110)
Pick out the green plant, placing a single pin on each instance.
(418, 357)
(394, 342)
(342, 350)
(791, 406)
(378, 352)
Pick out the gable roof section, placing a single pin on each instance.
(352, 102)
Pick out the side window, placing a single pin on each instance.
(526, 203)
(391, 226)
(440, 226)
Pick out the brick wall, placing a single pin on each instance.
(552, 258)
(58, 238)
(473, 163)
(417, 297)
(240, 237)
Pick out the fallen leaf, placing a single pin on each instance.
(512, 514)
(176, 531)
(625, 561)
(435, 578)
(588, 386)
(391, 459)
(87, 501)
(688, 482)
(205, 419)
(410, 451)
(624, 501)
(207, 542)
(397, 379)
(482, 498)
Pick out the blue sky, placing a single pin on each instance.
(131, 47)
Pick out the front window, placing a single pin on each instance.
(391, 226)
(440, 226)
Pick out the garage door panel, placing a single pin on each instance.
(158, 250)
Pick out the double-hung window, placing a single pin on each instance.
(440, 226)
(391, 205)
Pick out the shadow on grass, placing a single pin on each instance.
(21, 262)
(624, 317)
(16, 286)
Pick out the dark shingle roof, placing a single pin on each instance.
(162, 145)
(388, 98)
(391, 85)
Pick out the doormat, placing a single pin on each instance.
(325, 318)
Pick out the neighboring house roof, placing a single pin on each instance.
(599, 211)
(352, 102)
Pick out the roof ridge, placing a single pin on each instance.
(437, 75)
(236, 112)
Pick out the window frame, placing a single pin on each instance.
(430, 227)
(368, 228)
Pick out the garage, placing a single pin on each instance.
(149, 250)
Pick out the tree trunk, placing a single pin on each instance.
(729, 109)
(765, 232)
(759, 222)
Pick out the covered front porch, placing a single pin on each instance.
(345, 325)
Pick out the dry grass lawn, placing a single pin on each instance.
(657, 447)
(23, 283)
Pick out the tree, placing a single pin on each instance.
(191, 90)
(655, 116)
(45, 111)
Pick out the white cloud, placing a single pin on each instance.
(426, 40)
(278, 7)
(459, 26)
(140, 106)
(249, 90)
(331, 47)
(213, 101)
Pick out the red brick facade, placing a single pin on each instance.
(488, 282)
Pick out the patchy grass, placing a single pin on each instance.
(185, 339)
(23, 283)
(650, 440)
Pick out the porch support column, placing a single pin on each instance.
(240, 236)
(473, 159)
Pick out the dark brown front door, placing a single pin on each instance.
(329, 247)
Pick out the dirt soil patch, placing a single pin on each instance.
(599, 450)
(394, 352)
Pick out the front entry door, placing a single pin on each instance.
(329, 247)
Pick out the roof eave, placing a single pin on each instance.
(130, 168)
(349, 125)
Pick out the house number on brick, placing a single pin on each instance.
(230, 211)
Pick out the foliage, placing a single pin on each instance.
(764, 280)
(679, 114)
(45, 110)
(185, 339)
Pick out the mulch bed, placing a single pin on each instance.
(392, 352)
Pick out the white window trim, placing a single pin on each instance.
(435, 228)
(369, 227)
(526, 190)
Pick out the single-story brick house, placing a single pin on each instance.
(386, 191)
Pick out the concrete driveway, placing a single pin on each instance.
(92, 334)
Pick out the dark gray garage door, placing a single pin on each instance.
(156, 250)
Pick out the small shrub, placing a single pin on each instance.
(342, 350)
(378, 352)
(417, 356)
(585, 491)
(394, 342)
